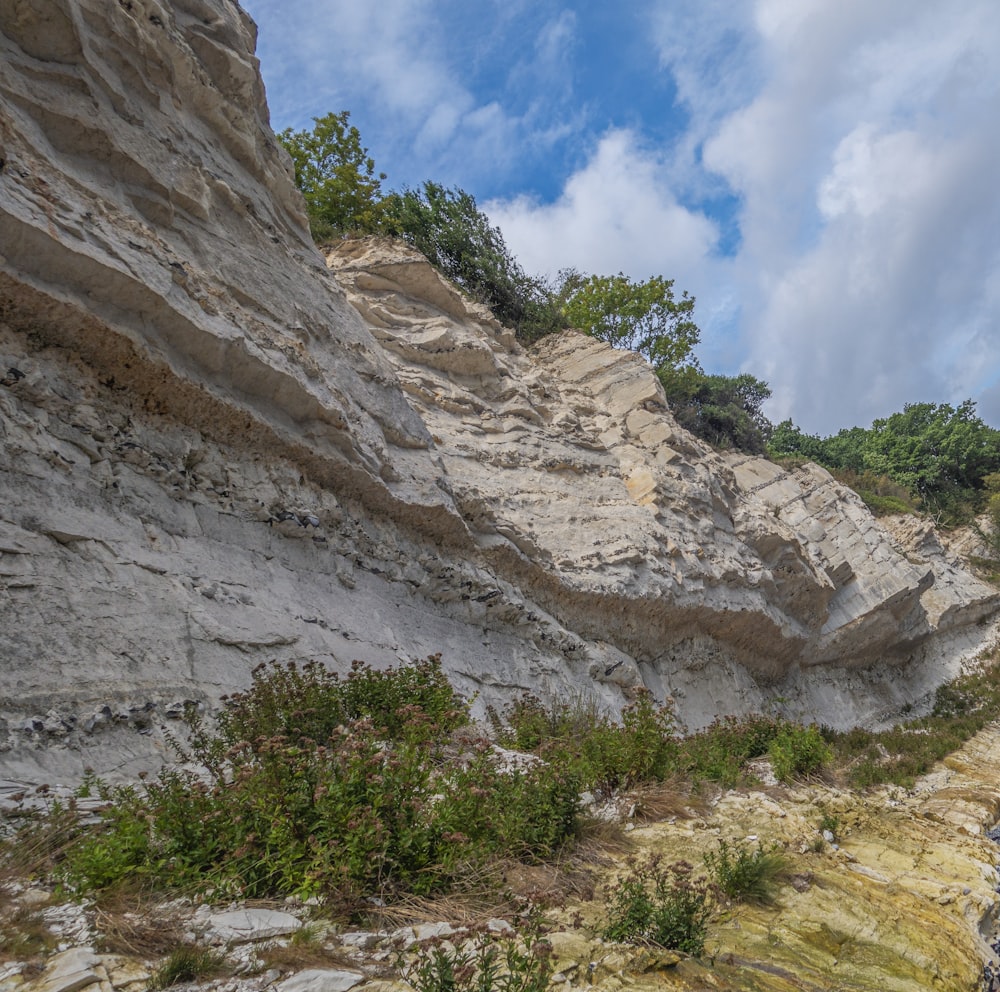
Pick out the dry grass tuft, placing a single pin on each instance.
(600, 841)
(24, 934)
(305, 949)
(34, 849)
(135, 924)
(671, 799)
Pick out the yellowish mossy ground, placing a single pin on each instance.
(898, 904)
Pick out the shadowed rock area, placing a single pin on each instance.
(217, 450)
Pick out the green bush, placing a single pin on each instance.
(796, 751)
(744, 874)
(458, 239)
(603, 755)
(489, 965)
(337, 177)
(642, 316)
(659, 904)
(726, 411)
(381, 803)
(720, 752)
(306, 705)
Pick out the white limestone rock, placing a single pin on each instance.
(321, 980)
(216, 451)
(244, 925)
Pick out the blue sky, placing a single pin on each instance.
(821, 176)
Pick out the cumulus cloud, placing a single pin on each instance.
(866, 162)
(407, 68)
(615, 214)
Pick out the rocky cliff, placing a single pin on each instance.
(218, 450)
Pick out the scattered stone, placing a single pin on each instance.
(243, 925)
(429, 931)
(321, 980)
(362, 940)
(70, 970)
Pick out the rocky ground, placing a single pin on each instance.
(899, 894)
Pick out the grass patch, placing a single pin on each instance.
(900, 755)
(304, 949)
(188, 964)
(747, 875)
(24, 935)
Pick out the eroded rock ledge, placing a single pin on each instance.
(216, 451)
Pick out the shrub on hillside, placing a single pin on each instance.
(344, 789)
(797, 751)
(458, 239)
(604, 755)
(745, 874)
(653, 903)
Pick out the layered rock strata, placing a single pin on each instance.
(216, 451)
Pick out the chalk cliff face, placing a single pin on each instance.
(217, 450)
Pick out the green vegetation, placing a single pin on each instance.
(458, 239)
(935, 458)
(490, 964)
(991, 533)
(721, 752)
(341, 789)
(746, 875)
(376, 787)
(641, 316)
(938, 456)
(653, 903)
(344, 197)
(188, 964)
(899, 755)
(337, 177)
(798, 751)
(602, 755)
(727, 411)
(375, 784)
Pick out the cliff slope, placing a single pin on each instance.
(218, 451)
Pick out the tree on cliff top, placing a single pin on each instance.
(459, 240)
(641, 316)
(941, 454)
(337, 177)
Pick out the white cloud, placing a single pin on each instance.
(866, 161)
(413, 71)
(615, 214)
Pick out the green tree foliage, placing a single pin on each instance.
(642, 316)
(447, 226)
(726, 411)
(337, 177)
(991, 534)
(940, 454)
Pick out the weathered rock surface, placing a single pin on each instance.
(215, 452)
